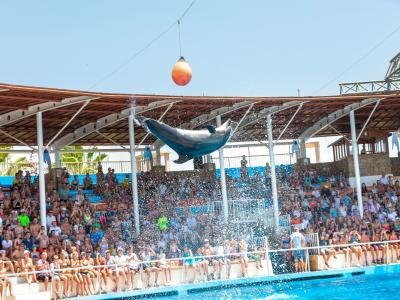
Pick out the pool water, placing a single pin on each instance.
(382, 286)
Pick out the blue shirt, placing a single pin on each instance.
(96, 236)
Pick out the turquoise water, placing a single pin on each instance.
(382, 286)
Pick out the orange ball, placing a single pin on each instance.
(181, 72)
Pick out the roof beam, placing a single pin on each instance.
(20, 114)
(87, 129)
(336, 115)
(254, 118)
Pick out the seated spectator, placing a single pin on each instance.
(87, 182)
(75, 183)
(43, 267)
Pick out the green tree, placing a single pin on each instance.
(21, 163)
(4, 157)
(81, 162)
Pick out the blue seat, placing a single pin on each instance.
(195, 210)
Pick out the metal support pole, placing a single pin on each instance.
(134, 170)
(356, 165)
(273, 171)
(57, 158)
(158, 153)
(42, 189)
(223, 178)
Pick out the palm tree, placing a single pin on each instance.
(4, 157)
(21, 163)
(80, 162)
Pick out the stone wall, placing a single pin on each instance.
(371, 164)
(395, 163)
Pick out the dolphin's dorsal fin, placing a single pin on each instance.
(182, 159)
(210, 128)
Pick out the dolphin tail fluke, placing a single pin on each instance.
(182, 159)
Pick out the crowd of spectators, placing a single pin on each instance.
(78, 235)
(328, 207)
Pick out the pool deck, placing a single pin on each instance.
(194, 288)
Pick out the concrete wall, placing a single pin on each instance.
(370, 165)
(395, 164)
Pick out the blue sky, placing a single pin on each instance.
(235, 47)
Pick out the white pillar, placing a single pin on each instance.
(57, 158)
(356, 165)
(223, 178)
(134, 170)
(273, 171)
(158, 154)
(302, 152)
(42, 187)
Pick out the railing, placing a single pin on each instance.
(10, 168)
(256, 160)
(221, 265)
(369, 86)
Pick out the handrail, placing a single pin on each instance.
(140, 262)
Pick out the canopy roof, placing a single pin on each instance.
(19, 105)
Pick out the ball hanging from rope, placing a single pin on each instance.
(181, 72)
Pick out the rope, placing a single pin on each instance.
(143, 49)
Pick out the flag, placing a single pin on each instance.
(147, 155)
(46, 157)
(294, 147)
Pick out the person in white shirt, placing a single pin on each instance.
(315, 193)
(392, 215)
(191, 222)
(342, 211)
(50, 219)
(384, 180)
(297, 242)
(54, 227)
(120, 269)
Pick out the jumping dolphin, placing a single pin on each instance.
(189, 143)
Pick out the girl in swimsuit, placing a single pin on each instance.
(77, 276)
(384, 247)
(56, 276)
(202, 263)
(65, 263)
(188, 263)
(87, 276)
(27, 266)
(367, 248)
(394, 246)
(244, 259)
(355, 238)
